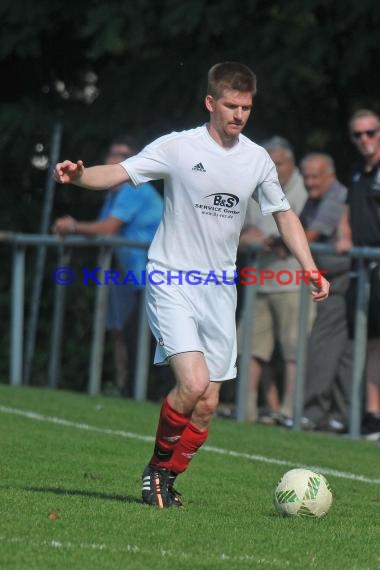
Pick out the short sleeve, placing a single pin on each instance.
(269, 194)
(154, 162)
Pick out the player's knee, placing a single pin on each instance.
(196, 388)
(207, 406)
(192, 388)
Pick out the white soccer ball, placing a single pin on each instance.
(304, 493)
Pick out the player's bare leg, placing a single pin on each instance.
(182, 429)
(192, 380)
(206, 406)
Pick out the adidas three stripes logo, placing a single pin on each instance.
(199, 167)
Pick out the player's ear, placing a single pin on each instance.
(210, 103)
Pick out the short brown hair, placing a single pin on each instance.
(230, 75)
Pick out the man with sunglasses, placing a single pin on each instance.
(364, 187)
(361, 227)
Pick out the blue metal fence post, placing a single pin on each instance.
(54, 366)
(303, 318)
(97, 347)
(248, 315)
(41, 256)
(17, 315)
(360, 350)
(143, 353)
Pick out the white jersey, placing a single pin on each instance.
(207, 189)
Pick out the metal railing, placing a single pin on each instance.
(359, 343)
(20, 242)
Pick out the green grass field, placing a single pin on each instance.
(70, 492)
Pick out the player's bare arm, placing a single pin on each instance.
(67, 225)
(293, 234)
(344, 242)
(94, 178)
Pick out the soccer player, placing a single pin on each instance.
(210, 173)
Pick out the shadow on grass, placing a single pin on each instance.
(81, 493)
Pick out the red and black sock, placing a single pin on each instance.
(191, 440)
(169, 431)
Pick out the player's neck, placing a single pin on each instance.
(223, 140)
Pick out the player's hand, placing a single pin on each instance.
(66, 172)
(277, 246)
(63, 226)
(320, 287)
(343, 245)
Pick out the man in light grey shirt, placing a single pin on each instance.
(276, 305)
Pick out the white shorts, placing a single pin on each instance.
(201, 318)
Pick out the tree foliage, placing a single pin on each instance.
(316, 60)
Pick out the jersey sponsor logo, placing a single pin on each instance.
(223, 199)
(199, 167)
(219, 204)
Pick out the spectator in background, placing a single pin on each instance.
(134, 215)
(276, 315)
(361, 227)
(329, 362)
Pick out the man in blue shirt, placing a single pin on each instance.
(134, 214)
